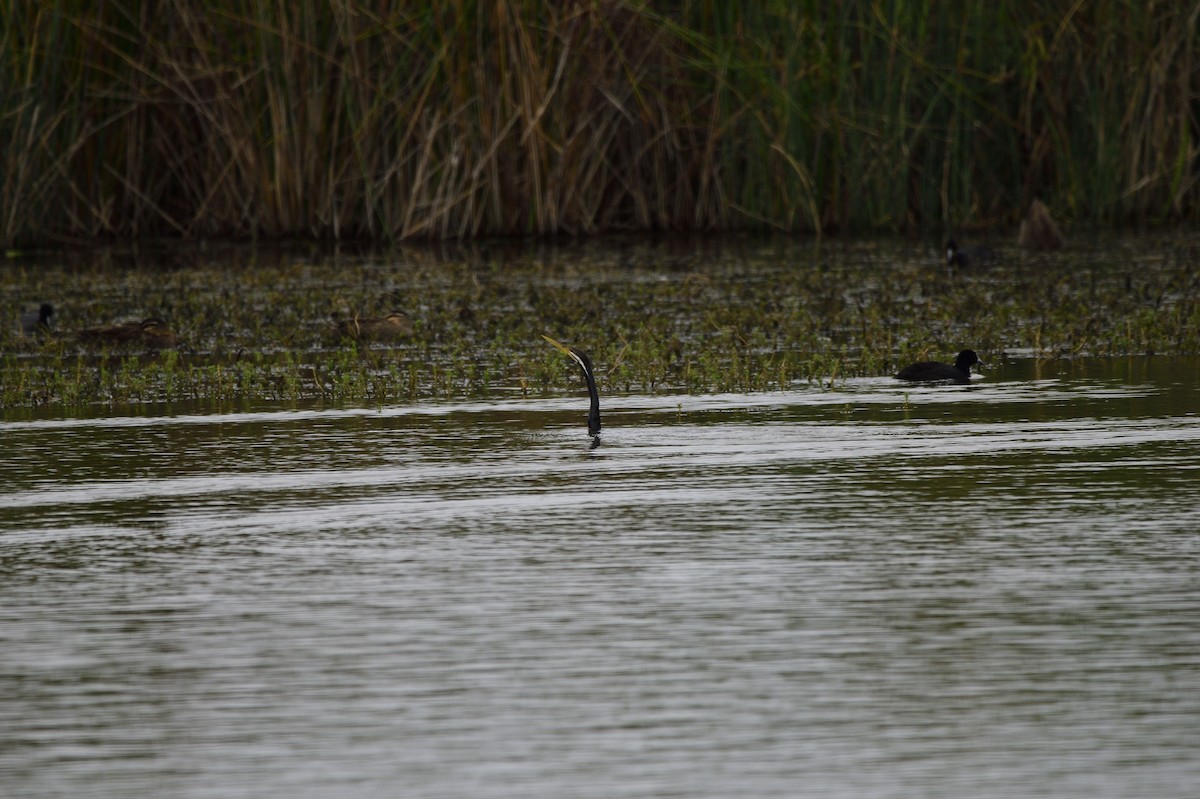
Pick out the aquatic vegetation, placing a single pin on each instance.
(690, 315)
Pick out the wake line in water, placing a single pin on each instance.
(628, 453)
(859, 391)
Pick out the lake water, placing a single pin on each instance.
(865, 590)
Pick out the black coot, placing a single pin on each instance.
(935, 371)
(962, 256)
(37, 321)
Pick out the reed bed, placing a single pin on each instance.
(341, 119)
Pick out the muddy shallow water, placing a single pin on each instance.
(869, 590)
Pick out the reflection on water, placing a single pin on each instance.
(873, 589)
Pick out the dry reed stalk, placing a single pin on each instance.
(343, 119)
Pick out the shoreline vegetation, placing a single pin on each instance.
(336, 121)
(668, 315)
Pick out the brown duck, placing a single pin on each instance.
(366, 328)
(1038, 230)
(148, 333)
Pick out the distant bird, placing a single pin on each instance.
(148, 332)
(1038, 230)
(589, 376)
(962, 256)
(38, 321)
(935, 371)
(394, 325)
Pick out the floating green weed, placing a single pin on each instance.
(708, 316)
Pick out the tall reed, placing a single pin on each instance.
(343, 118)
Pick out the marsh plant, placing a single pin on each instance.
(670, 315)
(339, 120)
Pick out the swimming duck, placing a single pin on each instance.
(148, 332)
(37, 321)
(935, 371)
(366, 328)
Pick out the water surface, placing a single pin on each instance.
(866, 590)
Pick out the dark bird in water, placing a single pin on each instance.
(148, 332)
(935, 371)
(366, 328)
(585, 363)
(37, 321)
(962, 256)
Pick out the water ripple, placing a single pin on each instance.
(873, 590)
